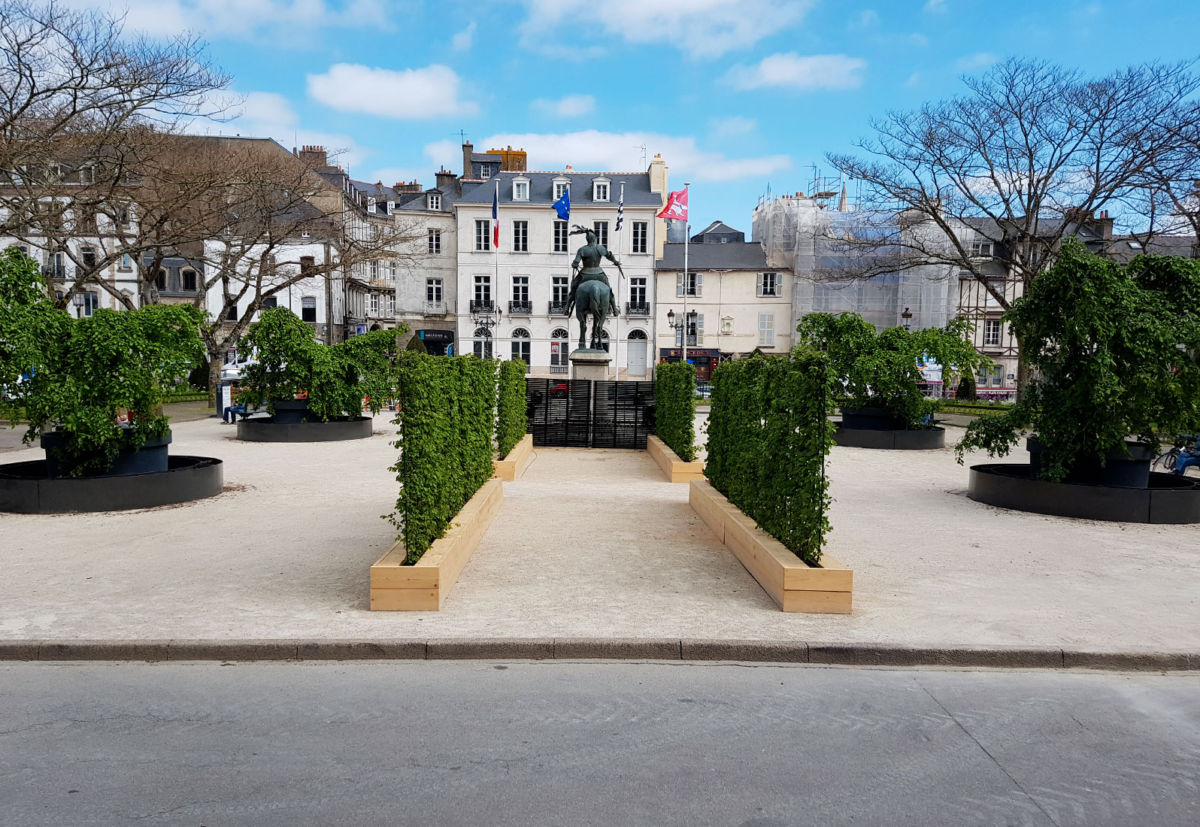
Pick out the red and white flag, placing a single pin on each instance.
(496, 217)
(676, 205)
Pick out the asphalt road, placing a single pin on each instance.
(434, 743)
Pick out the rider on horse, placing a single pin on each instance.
(590, 255)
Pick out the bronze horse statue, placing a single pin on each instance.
(591, 294)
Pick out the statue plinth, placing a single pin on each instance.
(589, 364)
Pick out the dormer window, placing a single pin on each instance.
(370, 205)
(391, 207)
(520, 189)
(561, 185)
(434, 201)
(600, 190)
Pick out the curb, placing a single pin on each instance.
(661, 649)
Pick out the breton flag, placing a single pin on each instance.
(677, 206)
(621, 208)
(563, 205)
(496, 217)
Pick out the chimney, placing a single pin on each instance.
(467, 151)
(314, 157)
(445, 179)
(1106, 225)
(409, 186)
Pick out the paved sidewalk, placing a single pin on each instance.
(591, 553)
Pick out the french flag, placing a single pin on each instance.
(496, 217)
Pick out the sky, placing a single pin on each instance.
(741, 97)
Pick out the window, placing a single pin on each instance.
(520, 242)
(189, 280)
(308, 308)
(559, 348)
(560, 187)
(520, 190)
(391, 207)
(600, 191)
(483, 343)
(483, 234)
(637, 290)
(520, 289)
(232, 315)
(391, 304)
(160, 281)
(435, 242)
(392, 271)
(561, 236)
(995, 284)
(766, 330)
(768, 284)
(307, 265)
(601, 228)
(305, 234)
(370, 205)
(639, 236)
(270, 301)
(981, 249)
(991, 333)
(374, 267)
(87, 255)
(373, 300)
(561, 289)
(433, 291)
(695, 332)
(434, 201)
(695, 284)
(520, 346)
(483, 290)
(997, 376)
(126, 262)
(91, 301)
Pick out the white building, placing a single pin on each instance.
(511, 298)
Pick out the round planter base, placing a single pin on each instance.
(267, 430)
(919, 440)
(25, 488)
(1168, 499)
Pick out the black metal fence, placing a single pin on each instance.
(586, 414)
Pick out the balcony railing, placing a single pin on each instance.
(554, 369)
(637, 308)
(520, 308)
(434, 308)
(558, 308)
(482, 305)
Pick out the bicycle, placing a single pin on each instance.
(1169, 458)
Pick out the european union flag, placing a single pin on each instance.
(563, 205)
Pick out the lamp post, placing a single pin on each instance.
(486, 315)
(907, 316)
(688, 317)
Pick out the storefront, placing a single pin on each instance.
(437, 342)
(705, 359)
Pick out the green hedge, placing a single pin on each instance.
(511, 421)
(768, 434)
(675, 408)
(447, 409)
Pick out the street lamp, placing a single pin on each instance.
(486, 315)
(686, 319)
(907, 316)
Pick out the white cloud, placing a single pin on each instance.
(935, 6)
(572, 106)
(867, 19)
(242, 18)
(268, 115)
(702, 28)
(914, 80)
(408, 94)
(592, 150)
(733, 126)
(445, 155)
(462, 41)
(975, 62)
(804, 72)
(400, 175)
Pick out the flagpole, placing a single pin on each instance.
(496, 248)
(620, 278)
(687, 284)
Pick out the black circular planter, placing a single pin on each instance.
(290, 411)
(26, 487)
(921, 439)
(150, 458)
(1129, 468)
(1167, 498)
(272, 430)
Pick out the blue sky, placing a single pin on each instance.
(737, 95)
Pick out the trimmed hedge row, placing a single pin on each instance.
(674, 410)
(511, 420)
(768, 434)
(445, 422)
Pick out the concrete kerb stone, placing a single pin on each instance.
(362, 650)
(1001, 657)
(616, 649)
(759, 651)
(236, 650)
(1132, 661)
(490, 649)
(104, 650)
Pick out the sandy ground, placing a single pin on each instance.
(587, 544)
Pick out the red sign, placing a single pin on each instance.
(554, 348)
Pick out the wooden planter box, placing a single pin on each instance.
(513, 466)
(793, 585)
(422, 587)
(675, 469)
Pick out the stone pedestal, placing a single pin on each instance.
(590, 364)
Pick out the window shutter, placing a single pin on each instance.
(759, 289)
(699, 328)
(679, 284)
(699, 283)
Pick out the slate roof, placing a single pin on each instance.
(541, 189)
(1122, 250)
(745, 255)
(716, 228)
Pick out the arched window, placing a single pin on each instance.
(637, 335)
(483, 343)
(520, 346)
(559, 348)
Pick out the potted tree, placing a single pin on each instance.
(880, 373)
(1113, 355)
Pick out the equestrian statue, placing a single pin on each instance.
(590, 291)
